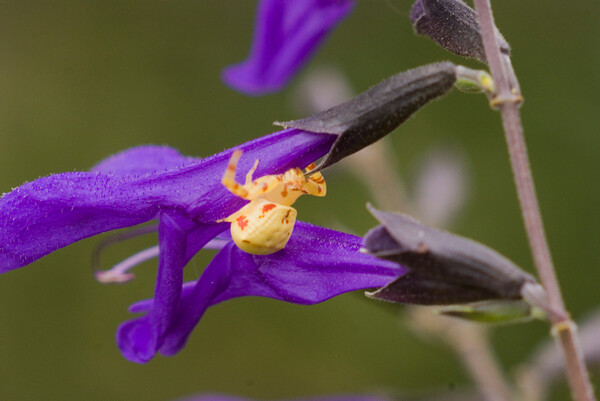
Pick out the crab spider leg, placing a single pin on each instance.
(228, 179)
(251, 171)
(251, 189)
(315, 183)
(310, 168)
(264, 225)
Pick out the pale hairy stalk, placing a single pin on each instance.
(507, 100)
(375, 167)
(472, 346)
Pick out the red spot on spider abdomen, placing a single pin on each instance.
(268, 207)
(242, 222)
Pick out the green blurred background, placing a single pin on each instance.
(82, 79)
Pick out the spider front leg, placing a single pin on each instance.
(265, 225)
(228, 179)
(250, 172)
(315, 183)
(251, 189)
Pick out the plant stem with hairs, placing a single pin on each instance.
(507, 100)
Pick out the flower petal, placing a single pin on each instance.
(49, 213)
(143, 160)
(287, 33)
(316, 264)
(180, 239)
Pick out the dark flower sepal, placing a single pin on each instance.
(453, 25)
(376, 112)
(445, 268)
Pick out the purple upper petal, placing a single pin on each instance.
(143, 160)
(316, 264)
(128, 189)
(287, 33)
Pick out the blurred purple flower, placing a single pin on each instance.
(187, 198)
(456, 396)
(287, 33)
(342, 397)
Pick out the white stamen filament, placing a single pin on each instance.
(119, 273)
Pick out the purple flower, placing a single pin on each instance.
(469, 396)
(187, 198)
(342, 397)
(287, 33)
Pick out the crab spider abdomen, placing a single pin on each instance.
(262, 227)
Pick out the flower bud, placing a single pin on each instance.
(445, 268)
(376, 112)
(453, 25)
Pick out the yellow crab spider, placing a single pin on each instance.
(264, 225)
